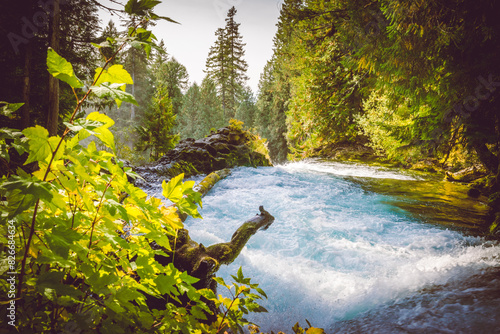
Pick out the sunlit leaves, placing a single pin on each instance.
(84, 230)
(243, 301)
(61, 69)
(41, 146)
(103, 132)
(173, 189)
(183, 195)
(114, 74)
(114, 91)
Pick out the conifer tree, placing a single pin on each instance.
(187, 124)
(211, 114)
(226, 65)
(247, 110)
(155, 132)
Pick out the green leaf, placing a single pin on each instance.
(29, 186)
(102, 131)
(113, 91)
(40, 149)
(166, 284)
(6, 109)
(114, 74)
(80, 124)
(105, 120)
(259, 290)
(157, 17)
(53, 280)
(140, 7)
(41, 146)
(61, 69)
(187, 206)
(173, 189)
(61, 239)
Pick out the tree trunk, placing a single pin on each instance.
(25, 110)
(53, 112)
(487, 158)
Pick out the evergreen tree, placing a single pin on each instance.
(236, 64)
(275, 86)
(226, 65)
(211, 115)
(23, 52)
(189, 115)
(247, 109)
(155, 132)
(217, 69)
(175, 77)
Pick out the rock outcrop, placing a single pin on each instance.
(227, 148)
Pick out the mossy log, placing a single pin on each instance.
(204, 262)
(208, 182)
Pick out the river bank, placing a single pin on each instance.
(467, 179)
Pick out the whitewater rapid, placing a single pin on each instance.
(347, 259)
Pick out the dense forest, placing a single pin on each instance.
(411, 80)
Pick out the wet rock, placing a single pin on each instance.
(468, 174)
(346, 151)
(226, 148)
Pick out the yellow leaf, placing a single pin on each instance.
(134, 211)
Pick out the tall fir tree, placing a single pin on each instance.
(156, 131)
(188, 120)
(226, 65)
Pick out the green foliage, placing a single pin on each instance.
(244, 297)
(83, 232)
(155, 132)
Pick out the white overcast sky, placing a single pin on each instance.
(190, 41)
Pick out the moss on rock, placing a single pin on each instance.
(227, 148)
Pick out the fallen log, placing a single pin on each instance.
(204, 262)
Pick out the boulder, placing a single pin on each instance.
(227, 148)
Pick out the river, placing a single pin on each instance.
(359, 249)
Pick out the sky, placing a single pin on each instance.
(190, 41)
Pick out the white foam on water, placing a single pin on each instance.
(336, 251)
(345, 169)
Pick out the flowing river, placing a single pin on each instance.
(358, 249)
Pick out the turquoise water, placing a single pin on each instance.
(354, 257)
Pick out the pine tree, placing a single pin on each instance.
(237, 66)
(187, 124)
(211, 114)
(226, 66)
(155, 132)
(175, 77)
(247, 110)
